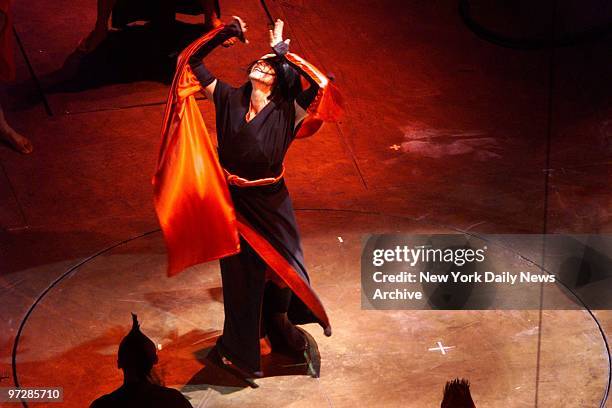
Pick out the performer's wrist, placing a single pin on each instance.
(232, 29)
(281, 48)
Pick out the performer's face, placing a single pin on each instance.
(263, 72)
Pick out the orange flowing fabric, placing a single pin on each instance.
(328, 105)
(7, 56)
(192, 198)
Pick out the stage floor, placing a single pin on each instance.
(443, 132)
(379, 358)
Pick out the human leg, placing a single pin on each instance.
(211, 19)
(281, 330)
(16, 140)
(100, 31)
(243, 278)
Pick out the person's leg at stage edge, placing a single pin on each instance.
(100, 31)
(9, 135)
(7, 72)
(212, 19)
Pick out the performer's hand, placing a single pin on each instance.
(276, 35)
(243, 29)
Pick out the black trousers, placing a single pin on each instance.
(248, 302)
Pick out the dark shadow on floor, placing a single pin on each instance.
(49, 246)
(136, 53)
(89, 369)
(176, 300)
(278, 363)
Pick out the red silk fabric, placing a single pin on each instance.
(192, 200)
(327, 106)
(279, 265)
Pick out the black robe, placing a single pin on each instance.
(254, 150)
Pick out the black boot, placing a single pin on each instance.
(283, 332)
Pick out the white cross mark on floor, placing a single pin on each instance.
(441, 348)
(395, 147)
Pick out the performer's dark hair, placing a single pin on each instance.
(287, 84)
(457, 394)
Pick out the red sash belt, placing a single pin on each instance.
(242, 182)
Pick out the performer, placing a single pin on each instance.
(265, 284)
(7, 73)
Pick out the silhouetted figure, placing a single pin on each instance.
(457, 395)
(137, 356)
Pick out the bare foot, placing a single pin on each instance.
(17, 142)
(93, 40)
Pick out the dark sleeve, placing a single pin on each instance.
(305, 97)
(222, 91)
(195, 61)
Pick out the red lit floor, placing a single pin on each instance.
(443, 132)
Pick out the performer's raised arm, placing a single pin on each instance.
(305, 100)
(236, 28)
